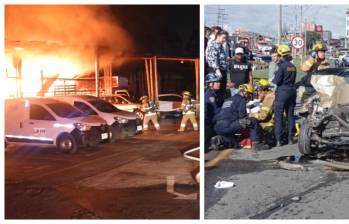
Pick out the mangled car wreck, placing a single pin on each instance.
(325, 125)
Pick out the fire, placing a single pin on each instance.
(36, 67)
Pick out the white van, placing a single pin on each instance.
(43, 121)
(122, 123)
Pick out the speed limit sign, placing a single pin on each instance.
(297, 42)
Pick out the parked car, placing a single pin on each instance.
(121, 123)
(169, 105)
(125, 103)
(49, 122)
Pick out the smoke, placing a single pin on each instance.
(69, 32)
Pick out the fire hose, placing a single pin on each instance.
(187, 156)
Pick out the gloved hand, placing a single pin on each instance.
(245, 122)
(218, 74)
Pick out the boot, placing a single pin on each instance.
(223, 154)
(278, 144)
(216, 142)
(258, 146)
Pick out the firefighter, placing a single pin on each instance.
(264, 114)
(232, 119)
(149, 109)
(285, 95)
(318, 60)
(188, 111)
(211, 107)
(315, 63)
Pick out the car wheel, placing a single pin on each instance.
(66, 143)
(304, 141)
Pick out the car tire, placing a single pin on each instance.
(66, 143)
(304, 141)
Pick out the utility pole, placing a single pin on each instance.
(220, 16)
(280, 25)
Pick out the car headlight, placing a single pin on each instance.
(121, 120)
(82, 127)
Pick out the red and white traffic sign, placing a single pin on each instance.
(297, 42)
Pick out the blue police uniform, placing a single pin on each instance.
(227, 121)
(285, 97)
(211, 109)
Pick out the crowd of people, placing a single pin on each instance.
(242, 113)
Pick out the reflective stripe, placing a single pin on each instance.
(195, 125)
(29, 137)
(58, 125)
(182, 125)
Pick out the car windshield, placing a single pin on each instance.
(65, 110)
(103, 106)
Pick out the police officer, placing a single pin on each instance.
(149, 109)
(188, 111)
(232, 119)
(211, 107)
(285, 98)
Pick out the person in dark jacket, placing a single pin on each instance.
(285, 96)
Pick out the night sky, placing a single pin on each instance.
(163, 30)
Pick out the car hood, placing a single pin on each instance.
(332, 89)
(126, 114)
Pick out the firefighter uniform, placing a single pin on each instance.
(188, 111)
(148, 107)
(285, 98)
(267, 99)
(315, 64)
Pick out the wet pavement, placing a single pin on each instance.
(125, 180)
(265, 191)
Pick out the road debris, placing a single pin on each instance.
(224, 184)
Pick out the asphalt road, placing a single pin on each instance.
(125, 180)
(265, 191)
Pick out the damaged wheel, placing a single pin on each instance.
(304, 141)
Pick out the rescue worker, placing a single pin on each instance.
(266, 98)
(188, 111)
(211, 107)
(285, 95)
(317, 61)
(149, 109)
(265, 114)
(232, 119)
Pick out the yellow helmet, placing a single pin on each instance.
(263, 83)
(283, 50)
(186, 93)
(246, 87)
(319, 47)
(144, 98)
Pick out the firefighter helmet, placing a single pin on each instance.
(186, 93)
(263, 83)
(283, 50)
(144, 98)
(319, 47)
(247, 88)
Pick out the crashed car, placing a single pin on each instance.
(325, 125)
